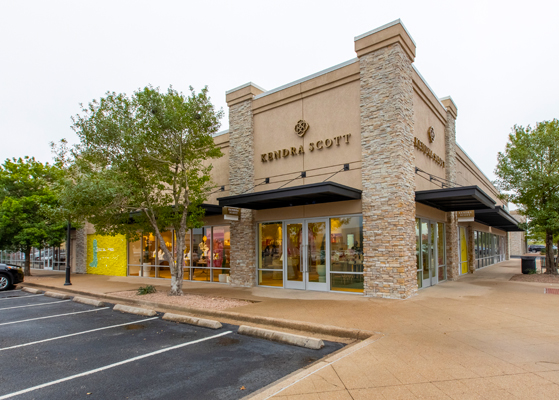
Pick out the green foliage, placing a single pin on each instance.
(146, 290)
(26, 196)
(528, 170)
(143, 164)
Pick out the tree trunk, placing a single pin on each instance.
(178, 276)
(549, 253)
(27, 265)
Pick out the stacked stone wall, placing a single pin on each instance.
(517, 243)
(388, 199)
(452, 250)
(241, 179)
(470, 234)
(80, 250)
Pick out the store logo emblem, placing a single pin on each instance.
(431, 133)
(301, 127)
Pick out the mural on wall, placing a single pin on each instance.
(106, 255)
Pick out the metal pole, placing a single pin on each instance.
(68, 254)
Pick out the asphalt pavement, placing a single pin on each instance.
(58, 349)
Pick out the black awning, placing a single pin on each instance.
(498, 218)
(211, 209)
(314, 193)
(456, 199)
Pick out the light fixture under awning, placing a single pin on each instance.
(498, 218)
(456, 199)
(314, 193)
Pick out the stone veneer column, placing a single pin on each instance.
(452, 250)
(241, 180)
(471, 249)
(507, 247)
(388, 199)
(80, 251)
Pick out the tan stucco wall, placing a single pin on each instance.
(428, 112)
(467, 174)
(330, 114)
(423, 211)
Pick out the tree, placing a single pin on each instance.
(529, 170)
(26, 195)
(143, 165)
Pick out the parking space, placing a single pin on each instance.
(65, 350)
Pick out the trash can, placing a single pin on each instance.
(528, 265)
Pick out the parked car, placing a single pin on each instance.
(9, 276)
(535, 248)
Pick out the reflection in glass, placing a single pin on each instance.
(163, 262)
(346, 244)
(317, 251)
(270, 254)
(294, 261)
(135, 257)
(425, 249)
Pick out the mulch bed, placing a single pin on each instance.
(539, 278)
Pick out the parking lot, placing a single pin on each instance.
(59, 349)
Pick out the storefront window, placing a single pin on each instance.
(187, 256)
(346, 254)
(148, 266)
(163, 261)
(418, 252)
(135, 257)
(221, 253)
(270, 254)
(200, 254)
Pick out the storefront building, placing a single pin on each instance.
(347, 180)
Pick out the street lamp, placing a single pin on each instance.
(68, 255)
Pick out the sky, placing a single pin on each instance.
(498, 60)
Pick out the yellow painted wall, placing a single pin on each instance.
(111, 255)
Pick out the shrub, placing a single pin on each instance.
(146, 290)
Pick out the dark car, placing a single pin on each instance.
(535, 248)
(9, 276)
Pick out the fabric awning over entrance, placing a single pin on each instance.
(498, 218)
(314, 193)
(456, 199)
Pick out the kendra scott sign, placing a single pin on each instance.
(300, 129)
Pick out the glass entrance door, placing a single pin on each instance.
(429, 253)
(306, 263)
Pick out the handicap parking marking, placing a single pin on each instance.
(117, 364)
(35, 305)
(76, 334)
(20, 297)
(54, 316)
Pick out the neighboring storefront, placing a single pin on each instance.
(348, 180)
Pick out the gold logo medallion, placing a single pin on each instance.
(431, 133)
(301, 127)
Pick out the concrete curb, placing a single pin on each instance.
(282, 337)
(135, 310)
(31, 290)
(91, 302)
(185, 319)
(62, 296)
(317, 329)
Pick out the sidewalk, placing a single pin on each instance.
(481, 337)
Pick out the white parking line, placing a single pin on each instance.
(93, 371)
(21, 297)
(53, 316)
(35, 305)
(75, 334)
